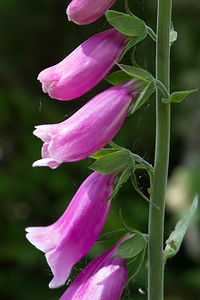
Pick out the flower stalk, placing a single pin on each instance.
(159, 183)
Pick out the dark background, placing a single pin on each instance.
(36, 34)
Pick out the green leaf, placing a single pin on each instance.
(111, 236)
(128, 25)
(136, 72)
(112, 162)
(114, 145)
(133, 42)
(144, 95)
(176, 237)
(135, 265)
(103, 152)
(117, 77)
(107, 240)
(121, 180)
(131, 246)
(177, 97)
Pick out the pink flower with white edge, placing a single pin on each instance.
(87, 11)
(84, 67)
(67, 240)
(103, 279)
(89, 129)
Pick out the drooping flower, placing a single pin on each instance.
(67, 240)
(103, 279)
(87, 11)
(89, 129)
(84, 67)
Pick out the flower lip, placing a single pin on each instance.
(46, 162)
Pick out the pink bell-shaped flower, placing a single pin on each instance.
(89, 129)
(103, 279)
(87, 11)
(84, 67)
(67, 240)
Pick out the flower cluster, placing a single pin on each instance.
(67, 240)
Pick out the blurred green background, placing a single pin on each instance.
(34, 35)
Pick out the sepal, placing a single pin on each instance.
(102, 152)
(136, 72)
(124, 176)
(133, 41)
(112, 162)
(123, 162)
(117, 77)
(126, 24)
(111, 236)
(106, 240)
(143, 97)
(135, 265)
(132, 246)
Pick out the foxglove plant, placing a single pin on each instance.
(87, 11)
(104, 278)
(82, 69)
(77, 138)
(91, 128)
(73, 234)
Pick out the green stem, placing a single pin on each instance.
(159, 182)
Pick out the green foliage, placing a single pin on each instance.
(118, 77)
(103, 152)
(175, 239)
(177, 97)
(131, 247)
(143, 96)
(134, 41)
(112, 162)
(135, 265)
(123, 177)
(128, 25)
(136, 72)
(113, 236)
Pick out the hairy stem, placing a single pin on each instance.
(159, 182)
